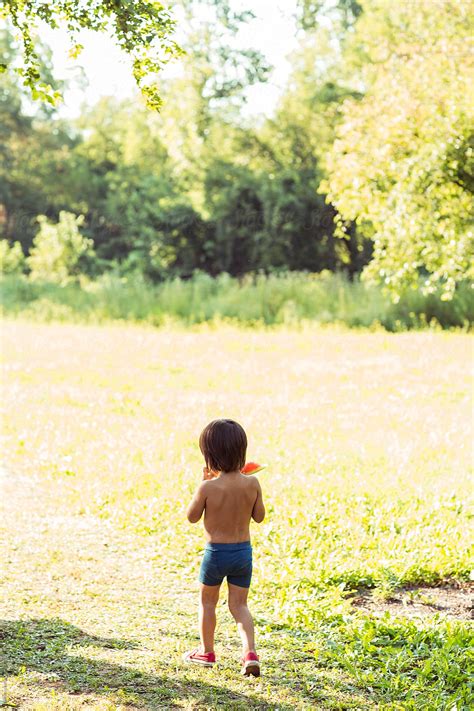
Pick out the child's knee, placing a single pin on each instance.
(208, 605)
(236, 607)
(209, 597)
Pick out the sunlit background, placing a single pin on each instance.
(288, 242)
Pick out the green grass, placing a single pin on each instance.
(367, 440)
(267, 300)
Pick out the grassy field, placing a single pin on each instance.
(367, 440)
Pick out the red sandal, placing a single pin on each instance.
(250, 665)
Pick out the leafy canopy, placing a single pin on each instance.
(402, 165)
(142, 28)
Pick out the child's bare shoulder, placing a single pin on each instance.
(252, 479)
(210, 485)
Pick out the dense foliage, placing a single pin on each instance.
(408, 180)
(365, 165)
(166, 197)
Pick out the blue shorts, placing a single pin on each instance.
(227, 560)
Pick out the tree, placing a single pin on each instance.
(35, 148)
(211, 90)
(292, 151)
(142, 28)
(203, 149)
(236, 209)
(402, 165)
(344, 11)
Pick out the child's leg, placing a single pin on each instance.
(241, 614)
(208, 598)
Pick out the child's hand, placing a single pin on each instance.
(207, 474)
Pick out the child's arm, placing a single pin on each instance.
(198, 504)
(258, 511)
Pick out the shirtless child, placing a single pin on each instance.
(229, 500)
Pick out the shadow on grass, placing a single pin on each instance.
(46, 646)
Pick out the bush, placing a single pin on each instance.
(58, 249)
(12, 259)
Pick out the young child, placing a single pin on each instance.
(229, 500)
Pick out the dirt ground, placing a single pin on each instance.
(455, 601)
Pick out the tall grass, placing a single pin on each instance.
(289, 298)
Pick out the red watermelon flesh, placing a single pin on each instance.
(252, 468)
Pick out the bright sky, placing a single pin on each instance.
(107, 69)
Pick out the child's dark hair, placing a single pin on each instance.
(224, 445)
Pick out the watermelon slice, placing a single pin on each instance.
(253, 468)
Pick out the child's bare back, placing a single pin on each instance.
(229, 502)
